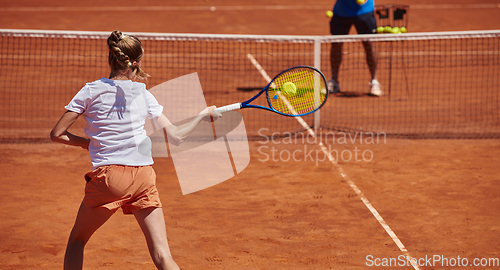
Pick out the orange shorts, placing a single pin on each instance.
(128, 187)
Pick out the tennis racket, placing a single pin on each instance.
(296, 91)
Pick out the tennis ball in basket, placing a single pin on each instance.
(289, 88)
(380, 29)
(388, 29)
(329, 13)
(396, 30)
(403, 29)
(360, 2)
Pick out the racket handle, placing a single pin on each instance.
(231, 107)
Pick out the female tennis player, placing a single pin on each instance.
(115, 110)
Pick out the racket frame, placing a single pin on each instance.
(246, 104)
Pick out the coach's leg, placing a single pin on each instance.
(152, 223)
(336, 59)
(371, 58)
(87, 222)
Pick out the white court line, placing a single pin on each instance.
(365, 200)
(223, 8)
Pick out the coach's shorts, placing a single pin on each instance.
(364, 23)
(128, 187)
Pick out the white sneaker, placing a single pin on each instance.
(375, 88)
(333, 86)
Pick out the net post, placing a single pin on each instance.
(317, 64)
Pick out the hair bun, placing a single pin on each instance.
(117, 36)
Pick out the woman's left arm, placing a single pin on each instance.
(60, 132)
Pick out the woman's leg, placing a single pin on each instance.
(87, 222)
(152, 223)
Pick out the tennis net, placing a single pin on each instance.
(436, 85)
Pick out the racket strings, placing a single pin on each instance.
(309, 95)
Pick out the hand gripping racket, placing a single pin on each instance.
(297, 91)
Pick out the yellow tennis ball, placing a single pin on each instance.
(396, 30)
(289, 88)
(380, 29)
(360, 2)
(388, 29)
(329, 13)
(403, 29)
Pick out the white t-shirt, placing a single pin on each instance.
(116, 112)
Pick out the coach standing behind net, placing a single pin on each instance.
(361, 14)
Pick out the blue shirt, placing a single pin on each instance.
(349, 8)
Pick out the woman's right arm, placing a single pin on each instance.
(181, 132)
(60, 132)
